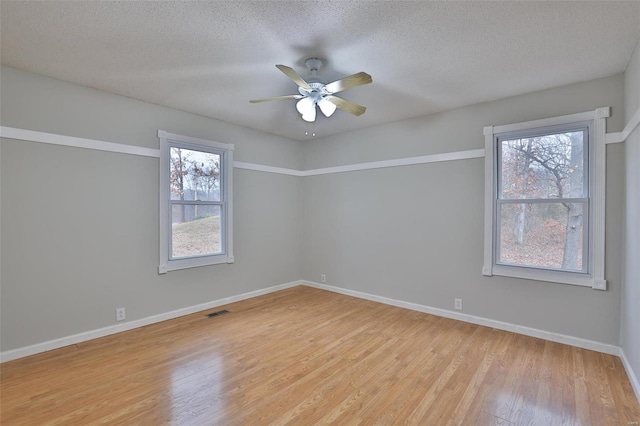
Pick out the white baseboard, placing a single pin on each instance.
(112, 329)
(527, 331)
(635, 384)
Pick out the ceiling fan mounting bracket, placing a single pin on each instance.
(313, 64)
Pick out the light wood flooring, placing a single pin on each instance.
(304, 356)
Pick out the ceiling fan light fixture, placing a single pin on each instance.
(327, 108)
(305, 105)
(310, 115)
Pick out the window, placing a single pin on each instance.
(195, 202)
(544, 212)
(542, 201)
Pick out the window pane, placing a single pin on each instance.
(195, 175)
(195, 230)
(549, 166)
(546, 235)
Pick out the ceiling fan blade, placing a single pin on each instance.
(277, 98)
(348, 82)
(346, 105)
(289, 72)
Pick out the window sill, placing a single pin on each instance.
(174, 265)
(582, 280)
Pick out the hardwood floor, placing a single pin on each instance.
(304, 356)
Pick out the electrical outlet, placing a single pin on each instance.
(457, 304)
(323, 278)
(120, 314)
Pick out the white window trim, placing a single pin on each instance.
(595, 279)
(166, 264)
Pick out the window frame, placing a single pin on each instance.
(593, 222)
(225, 151)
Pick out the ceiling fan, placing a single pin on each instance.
(314, 92)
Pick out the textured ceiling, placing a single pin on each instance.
(210, 58)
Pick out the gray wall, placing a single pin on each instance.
(80, 227)
(630, 324)
(415, 233)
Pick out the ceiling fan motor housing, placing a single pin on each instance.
(317, 90)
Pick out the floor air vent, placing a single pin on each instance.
(215, 314)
